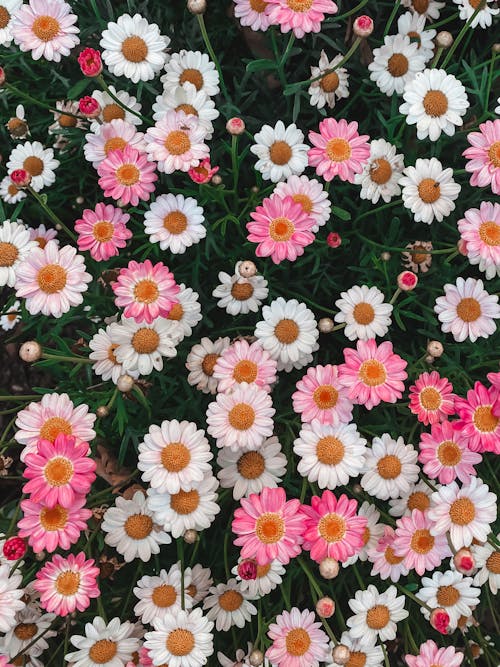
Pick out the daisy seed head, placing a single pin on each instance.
(444, 39)
(341, 654)
(30, 351)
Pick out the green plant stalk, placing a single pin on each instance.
(37, 102)
(395, 296)
(51, 213)
(349, 13)
(215, 60)
(460, 36)
(436, 58)
(180, 556)
(391, 18)
(73, 360)
(412, 597)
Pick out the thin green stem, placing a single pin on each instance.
(391, 17)
(37, 102)
(51, 213)
(395, 296)
(32, 643)
(73, 360)
(413, 597)
(436, 58)
(105, 87)
(461, 35)
(215, 60)
(355, 9)
(180, 556)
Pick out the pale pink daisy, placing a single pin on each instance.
(112, 136)
(281, 228)
(52, 280)
(301, 16)
(252, 13)
(321, 396)
(67, 584)
(177, 141)
(59, 471)
(373, 373)
(431, 655)
(385, 562)
(309, 193)
(42, 235)
(269, 527)
(484, 156)
(414, 541)
(480, 230)
(479, 418)
(332, 528)
(339, 150)
(445, 454)
(432, 398)
(102, 231)
(46, 28)
(298, 640)
(145, 290)
(244, 362)
(127, 175)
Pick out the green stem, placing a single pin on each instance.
(395, 296)
(349, 13)
(73, 360)
(391, 17)
(208, 44)
(310, 576)
(105, 87)
(51, 213)
(234, 164)
(436, 57)
(461, 35)
(37, 102)
(180, 556)
(386, 657)
(413, 597)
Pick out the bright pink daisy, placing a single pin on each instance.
(242, 362)
(59, 472)
(67, 584)
(320, 396)
(298, 640)
(4, 662)
(446, 455)
(282, 229)
(480, 230)
(103, 231)
(127, 175)
(494, 378)
(332, 527)
(48, 528)
(431, 656)
(146, 291)
(269, 526)
(479, 418)
(413, 540)
(432, 398)
(373, 373)
(484, 155)
(339, 150)
(301, 16)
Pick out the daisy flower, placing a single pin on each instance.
(445, 454)
(466, 513)
(65, 118)
(201, 580)
(487, 560)
(390, 468)
(380, 175)
(130, 528)
(395, 63)
(332, 86)
(429, 191)
(428, 8)
(228, 606)
(385, 562)
(42, 235)
(193, 102)
(244, 362)
(67, 584)
(10, 193)
(103, 348)
(297, 639)
(237, 294)
(432, 398)
(176, 142)
(299, 16)
(7, 10)
(430, 654)
(186, 313)
(10, 597)
(104, 644)
(242, 419)
(418, 258)
(322, 397)
(267, 578)
(161, 595)
(52, 280)
(110, 109)
(175, 222)
(38, 161)
(450, 591)
(127, 175)
(364, 312)
(361, 652)
(413, 539)
(467, 310)
(102, 231)
(281, 151)
(480, 230)
(304, 360)
(29, 636)
(373, 373)
(112, 136)
(46, 28)
(376, 614)
(372, 532)
(252, 13)
(193, 67)
(309, 193)
(15, 247)
(17, 126)
(483, 156)
(413, 26)
(13, 315)
(201, 361)
(134, 48)
(253, 470)
(338, 149)
(483, 18)
(479, 418)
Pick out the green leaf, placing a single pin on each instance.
(341, 213)
(258, 65)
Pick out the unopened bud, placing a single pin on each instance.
(30, 351)
(247, 569)
(334, 240)
(462, 247)
(325, 325)
(464, 561)
(79, 199)
(197, 6)
(256, 658)
(125, 383)
(102, 411)
(246, 269)
(21, 178)
(216, 180)
(90, 62)
(14, 548)
(496, 47)
(329, 568)
(40, 555)
(440, 620)
(325, 607)
(235, 126)
(429, 359)
(435, 348)
(385, 256)
(190, 536)
(363, 26)
(407, 281)
(89, 107)
(444, 39)
(2, 76)
(341, 654)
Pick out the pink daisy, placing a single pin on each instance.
(431, 655)
(480, 230)
(301, 16)
(298, 640)
(484, 155)
(253, 13)
(53, 415)
(4, 662)
(494, 378)
(113, 136)
(127, 175)
(48, 528)
(67, 584)
(320, 396)
(52, 279)
(373, 373)
(242, 362)
(479, 418)
(309, 193)
(42, 235)
(103, 231)
(46, 28)
(177, 142)
(59, 471)
(432, 398)
(269, 526)
(413, 540)
(339, 150)
(281, 227)
(146, 291)
(203, 172)
(385, 562)
(332, 527)
(446, 455)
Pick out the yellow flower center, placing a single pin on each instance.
(33, 165)
(8, 253)
(286, 331)
(67, 583)
(330, 450)
(103, 651)
(175, 222)
(325, 396)
(175, 456)
(242, 291)
(418, 501)
(494, 154)
(484, 419)
(389, 467)
(187, 108)
(363, 313)
(176, 312)
(185, 502)
(281, 229)
(251, 465)
(338, 150)
(58, 471)
(372, 373)
(258, 6)
(449, 453)
(53, 426)
(298, 640)
(52, 278)
(415, 37)
(164, 596)
(208, 363)
(489, 233)
(280, 152)
(245, 371)
(391, 557)
(430, 398)
(114, 144)
(435, 103)
(429, 190)
(262, 570)
(180, 642)
(380, 171)
(332, 527)
(330, 82)
(377, 617)
(103, 231)
(422, 541)
(134, 49)
(230, 600)
(146, 291)
(241, 416)
(138, 526)
(127, 174)
(447, 596)
(53, 518)
(269, 528)
(493, 562)
(304, 201)
(112, 111)
(4, 17)
(398, 65)
(177, 142)
(145, 341)
(366, 536)
(300, 6)
(45, 28)
(469, 309)
(356, 659)
(25, 631)
(194, 76)
(462, 511)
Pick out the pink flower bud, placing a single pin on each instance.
(247, 569)
(2, 76)
(363, 26)
(440, 620)
(462, 247)
(325, 607)
(407, 281)
(21, 178)
(329, 568)
(464, 561)
(90, 62)
(333, 240)
(14, 548)
(89, 107)
(235, 126)
(203, 172)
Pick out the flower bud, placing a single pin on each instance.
(444, 39)
(385, 256)
(329, 568)
(2, 76)
(325, 607)
(235, 126)
(30, 351)
(407, 281)
(256, 658)
(247, 569)
(333, 240)
(40, 555)
(496, 48)
(440, 620)
(190, 536)
(21, 178)
(89, 107)
(429, 359)
(102, 411)
(462, 247)
(435, 348)
(14, 548)
(464, 561)
(203, 172)
(246, 269)
(197, 6)
(341, 654)
(363, 26)
(90, 62)
(125, 383)
(325, 325)
(216, 180)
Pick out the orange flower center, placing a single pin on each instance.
(447, 596)
(377, 617)
(8, 253)
(180, 642)
(372, 373)
(134, 49)
(462, 511)
(12, 190)
(494, 154)
(146, 291)
(33, 165)
(114, 144)
(332, 527)
(356, 659)
(389, 467)
(138, 526)
(177, 142)
(418, 501)
(58, 471)
(67, 583)
(127, 174)
(52, 278)
(415, 37)
(103, 231)
(164, 596)
(300, 6)
(363, 313)
(258, 6)
(281, 229)
(391, 557)
(297, 640)
(241, 416)
(103, 651)
(420, 6)
(112, 111)
(330, 82)
(45, 28)
(304, 201)
(419, 254)
(280, 153)
(449, 453)
(251, 465)
(484, 419)
(380, 171)
(185, 502)
(145, 341)
(67, 121)
(435, 103)
(398, 65)
(422, 541)
(176, 312)
(41, 241)
(175, 222)
(53, 518)
(4, 17)
(269, 528)
(208, 363)
(262, 570)
(430, 398)
(53, 426)
(242, 291)
(194, 76)
(330, 450)
(338, 150)
(366, 536)
(286, 331)
(469, 309)
(493, 562)
(429, 190)
(325, 396)
(25, 631)
(230, 600)
(17, 127)
(175, 457)
(489, 233)
(245, 371)
(187, 108)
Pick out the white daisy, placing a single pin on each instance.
(330, 87)
(487, 560)
(193, 67)
(429, 191)
(104, 644)
(104, 346)
(11, 316)
(364, 311)
(381, 174)
(38, 161)
(29, 625)
(268, 577)
(7, 8)
(390, 468)
(10, 193)
(309, 193)
(228, 606)
(376, 614)
(362, 652)
(187, 311)
(130, 528)
(288, 330)
(10, 597)
(251, 471)
(15, 246)
(201, 361)
(175, 222)
(17, 126)
(428, 8)
(450, 591)
(238, 294)
(64, 117)
(174, 456)
(395, 63)
(371, 535)
(112, 136)
(110, 109)
(413, 26)
(134, 48)
(201, 580)
(303, 360)
(160, 595)
(281, 151)
(419, 498)
(187, 98)
(484, 17)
